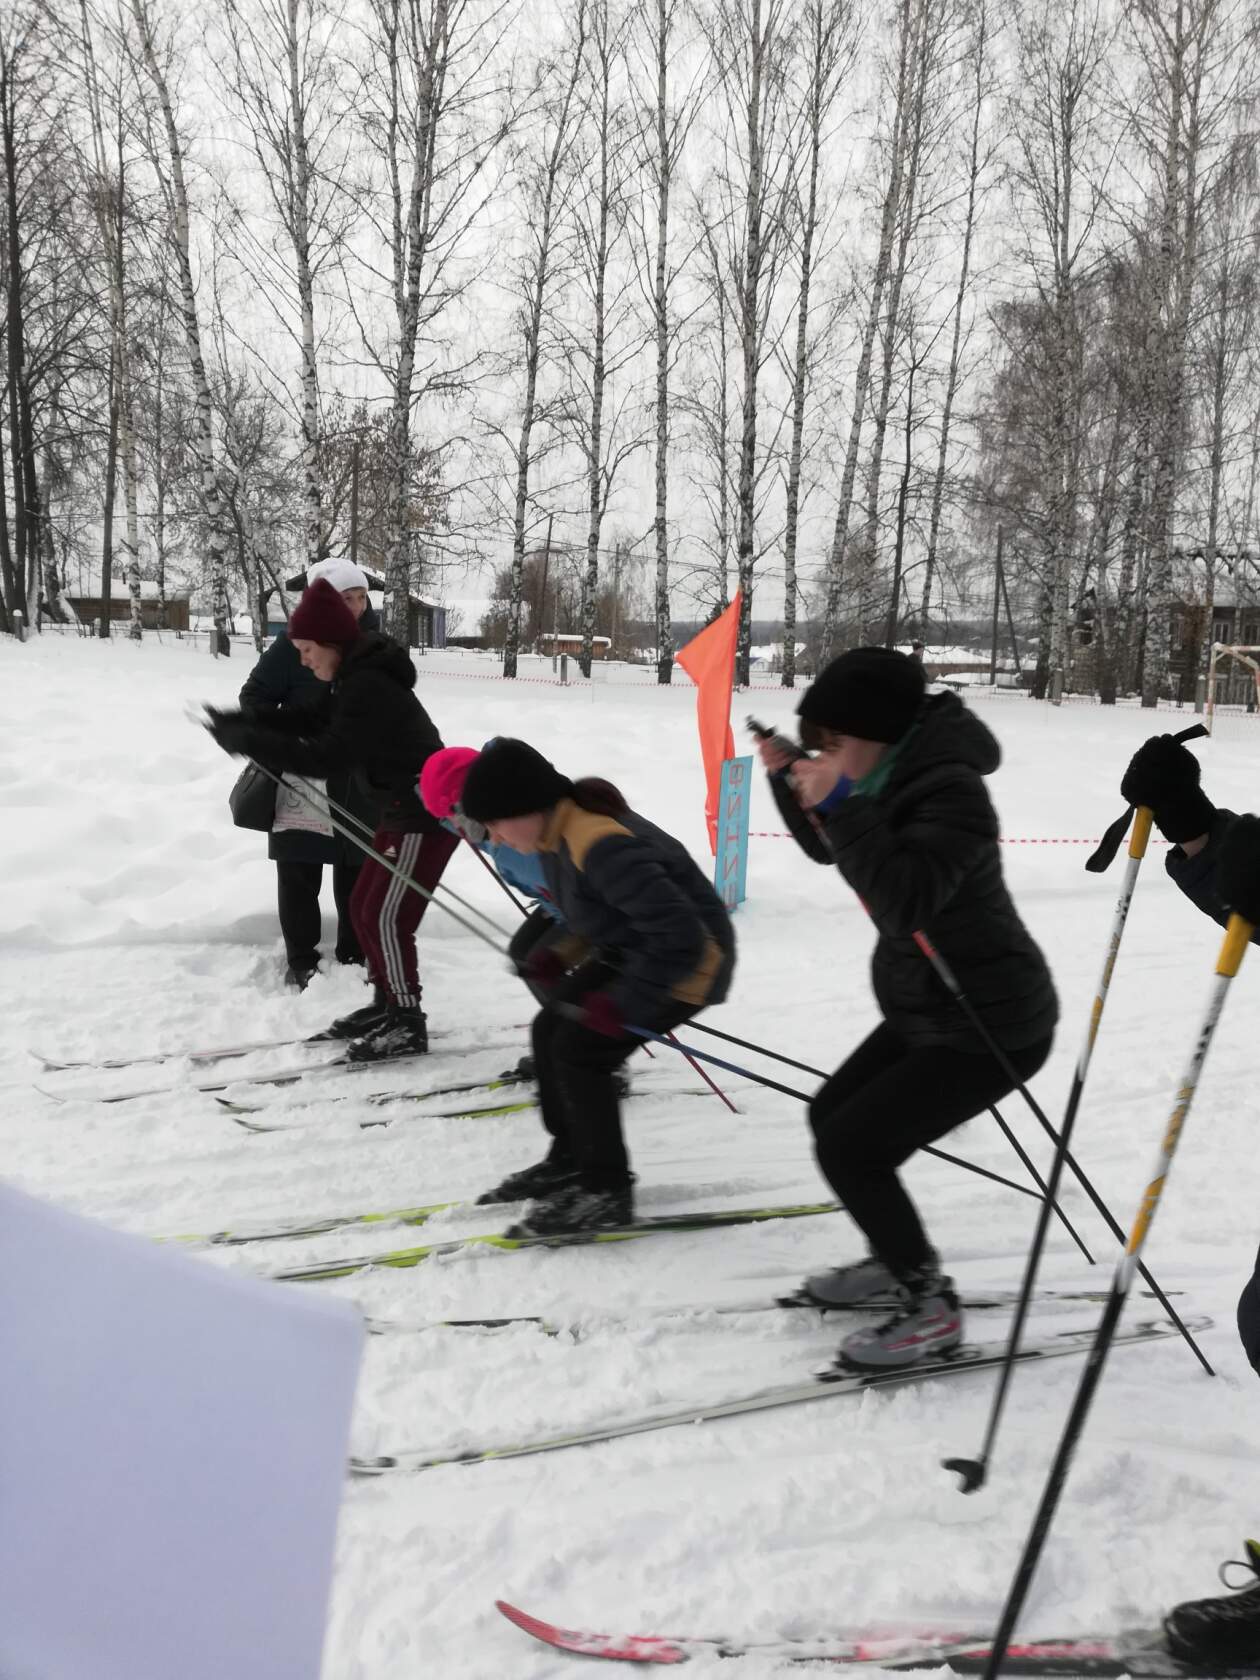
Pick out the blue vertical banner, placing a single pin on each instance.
(731, 867)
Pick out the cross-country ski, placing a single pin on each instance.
(836, 1381)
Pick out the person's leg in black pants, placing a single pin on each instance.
(345, 872)
(579, 1091)
(297, 897)
(887, 1101)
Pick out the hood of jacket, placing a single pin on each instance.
(377, 652)
(947, 732)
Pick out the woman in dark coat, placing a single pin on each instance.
(662, 948)
(371, 725)
(895, 798)
(280, 682)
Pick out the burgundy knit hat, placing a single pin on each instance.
(322, 616)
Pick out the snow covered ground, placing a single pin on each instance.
(133, 916)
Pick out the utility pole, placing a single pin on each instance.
(542, 594)
(997, 598)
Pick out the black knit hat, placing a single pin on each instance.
(872, 693)
(511, 779)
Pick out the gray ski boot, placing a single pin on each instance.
(928, 1324)
(849, 1286)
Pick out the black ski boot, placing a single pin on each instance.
(357, 1022)
(531, 1182)
(1221, 1633)
(573, 1210)
(399, 1032)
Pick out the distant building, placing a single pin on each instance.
(567, 642)
(91, 608)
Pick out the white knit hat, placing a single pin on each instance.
(342, 574)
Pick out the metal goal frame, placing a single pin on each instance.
(1242, 652)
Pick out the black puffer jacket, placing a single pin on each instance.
(368, 722)
(922, 855)
(1196, 876)
(635, 893)
(280, 681)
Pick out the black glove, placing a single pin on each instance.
(231, 730)
(1165, 775)
(1238, 868)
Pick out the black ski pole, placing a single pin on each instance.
(1227, 965)
(950, 979)
(973, 1471)
(398, 874)
(1026, 1160)
(326, 805)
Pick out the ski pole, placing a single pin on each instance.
(1024, 1157)
(707, 1077)
(493, 873)
(1233, 947)
(950, 979)
(398, 874)
(327, 805)
(973, 1471)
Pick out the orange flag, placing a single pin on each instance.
(709, 660)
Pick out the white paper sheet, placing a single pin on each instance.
(173, 1441)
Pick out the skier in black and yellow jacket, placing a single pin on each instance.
(662, 949)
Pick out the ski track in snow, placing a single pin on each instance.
(134, 917)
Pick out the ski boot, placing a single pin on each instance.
(847, 1286)
(298, 975)
(401, 1031)
(572, 1210)
(533, 1182)
(1220, 1633)
(927, 1324)
(357, 1022)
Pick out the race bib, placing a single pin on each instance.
(305, 812)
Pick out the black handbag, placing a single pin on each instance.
(252, 800)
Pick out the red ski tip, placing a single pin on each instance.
(642, 1648)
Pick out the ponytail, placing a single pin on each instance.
(594, 794)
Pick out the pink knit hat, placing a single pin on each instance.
(442, 778)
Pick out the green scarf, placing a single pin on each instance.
(872, 785)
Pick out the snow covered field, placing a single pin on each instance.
(133, 916)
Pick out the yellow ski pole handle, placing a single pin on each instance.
(1140, 833)
(1237, 935)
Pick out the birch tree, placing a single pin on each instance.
(595, 409)
(899, 122)
(546, 184)
(976, 163)
(433, 104)
(750, 43)
(284, 79)
(1058, 121)
(827, 47)
(669, 101)
(168, 163)
(1200, 59)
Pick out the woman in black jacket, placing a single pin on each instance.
(895, 798)
(662, 949)
(280, 681)
(370, 724)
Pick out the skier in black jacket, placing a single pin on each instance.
(663, 949)
(372, 724)
(895, 798)
(280, 681)
(1164, 775)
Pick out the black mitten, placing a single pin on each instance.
(1165, 775)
